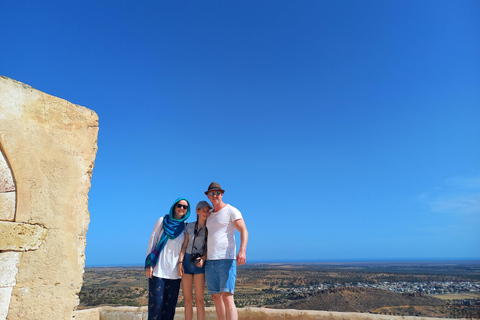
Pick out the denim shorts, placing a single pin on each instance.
(221, 275)
(190, 267)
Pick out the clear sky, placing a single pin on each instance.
(343, 130)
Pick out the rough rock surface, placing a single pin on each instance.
(21, 236)
(47, 152)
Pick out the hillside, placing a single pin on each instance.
(312, 287)
(350, 299)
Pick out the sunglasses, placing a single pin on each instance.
(217, 193)
(180, 206)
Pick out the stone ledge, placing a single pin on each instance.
(21, 236)
(134, 313)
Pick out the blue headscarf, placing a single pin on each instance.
(172, 228)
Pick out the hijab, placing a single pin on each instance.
(172, 228)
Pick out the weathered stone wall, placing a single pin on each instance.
(47, 152)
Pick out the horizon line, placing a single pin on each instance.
(299, 261)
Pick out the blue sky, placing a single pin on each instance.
(342, 130)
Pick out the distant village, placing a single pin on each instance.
(427, 287)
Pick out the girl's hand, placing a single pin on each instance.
(149, 272)
(200, 262)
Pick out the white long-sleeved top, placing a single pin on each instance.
(167, 265)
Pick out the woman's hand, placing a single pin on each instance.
(180, 269)
(149, 272)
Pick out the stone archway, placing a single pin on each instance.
(8, 259)
(7, 191)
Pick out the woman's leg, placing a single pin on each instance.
(156, 288)
(199, 280)
(172, 288)
(187, 286)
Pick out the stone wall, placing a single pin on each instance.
(47, 152)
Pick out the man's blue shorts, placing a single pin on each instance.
(190, 267)
(221, 275)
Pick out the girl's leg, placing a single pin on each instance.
(199, 280)
(187, 286)
(156, 287)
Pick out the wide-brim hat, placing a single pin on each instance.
(214, 186)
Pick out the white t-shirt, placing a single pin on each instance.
(167, 265)
(221, 233)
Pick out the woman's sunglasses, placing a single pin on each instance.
(180, 206)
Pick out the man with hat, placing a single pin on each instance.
(221, 264)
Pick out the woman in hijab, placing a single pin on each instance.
(161, 265)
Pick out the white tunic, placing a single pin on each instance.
(221, 233)
(167, 265)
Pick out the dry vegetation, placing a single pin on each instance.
(258, 285)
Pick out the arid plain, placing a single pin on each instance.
(427, 289)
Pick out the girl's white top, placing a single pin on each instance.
(167, 265)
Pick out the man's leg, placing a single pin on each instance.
(219, 306)
(213, 285)
(229, 303)
(227, 276)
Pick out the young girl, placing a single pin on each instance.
(192, 261)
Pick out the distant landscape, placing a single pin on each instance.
(429, 289)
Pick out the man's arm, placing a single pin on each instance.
(242, 253)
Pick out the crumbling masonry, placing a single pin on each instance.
(47, 152)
